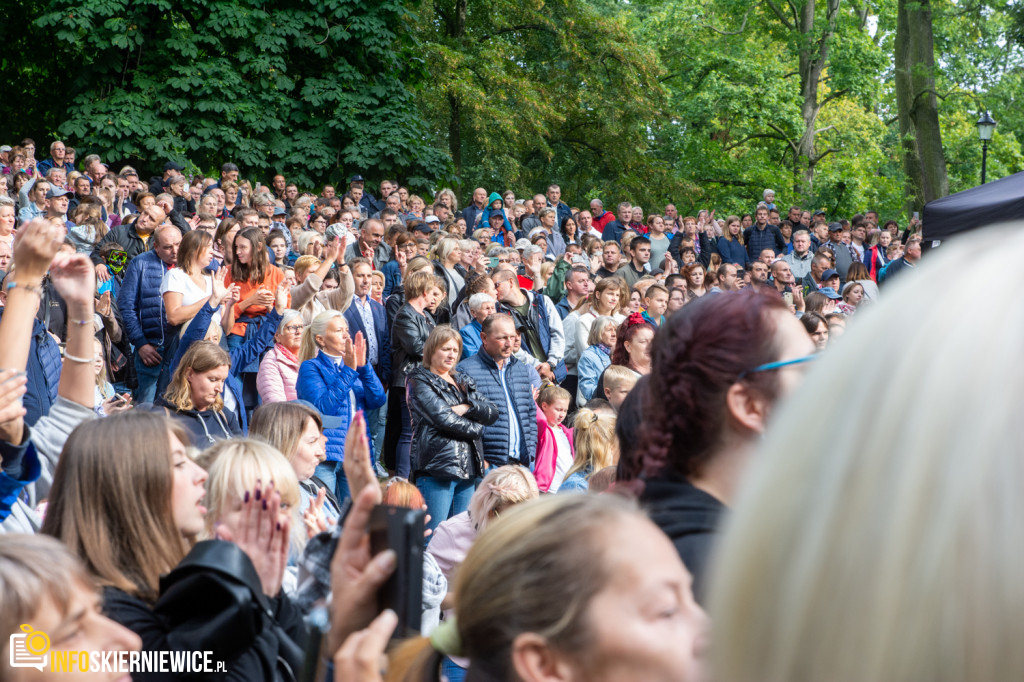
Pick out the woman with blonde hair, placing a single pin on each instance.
(896, 557)
(132, 514)
(194, 396)
(596, 448)
(239, 465)
(336, 379)
(531, 598)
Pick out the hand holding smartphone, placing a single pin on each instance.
(400, 529)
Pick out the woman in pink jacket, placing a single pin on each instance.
(555, 450)
(279, 368)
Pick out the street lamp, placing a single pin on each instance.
(986, 126)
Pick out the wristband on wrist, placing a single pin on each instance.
(81, 323)
(73, 358)
(38, 291)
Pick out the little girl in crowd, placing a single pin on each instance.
(555, 450)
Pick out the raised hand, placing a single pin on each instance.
(35, 245)
(314, 518)
(332, 250)
(72, 276)
(355, 575)
(220, 291)
(281, 298)
(261, 534)
(359, 347)
(359, 658)
(357, 464)
(103, 304)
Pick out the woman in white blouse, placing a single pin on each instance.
(188, 287)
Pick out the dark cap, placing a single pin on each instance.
(835, 227)
(819, 213)
(279, 210)
(497, 215)
(170, 165)
(356, 178)
(56, 192)
(830, 292)
(423, 227)
(828, 274)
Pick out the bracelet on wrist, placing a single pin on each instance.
(81, 323)
(74, 358)
(37, 290)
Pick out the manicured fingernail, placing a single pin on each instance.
(257, 493)
(246, 498)
(264, 505)
(279, 525)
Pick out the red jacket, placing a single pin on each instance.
(604, 219)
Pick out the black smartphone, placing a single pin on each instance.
(400, 529)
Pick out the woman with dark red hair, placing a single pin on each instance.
(718, 366)
(632, 348)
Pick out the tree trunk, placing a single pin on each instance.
(917, 105)
(455, 132)
(456, 30)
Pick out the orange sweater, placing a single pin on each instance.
(273, 279)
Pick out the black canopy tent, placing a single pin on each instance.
(994, 202)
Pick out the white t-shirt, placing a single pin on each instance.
(179, 282)
(563, 462)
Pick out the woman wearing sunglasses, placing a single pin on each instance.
(710, 395)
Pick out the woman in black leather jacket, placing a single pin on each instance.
(409, 331)
(448, 417)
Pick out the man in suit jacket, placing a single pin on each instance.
(369, 317)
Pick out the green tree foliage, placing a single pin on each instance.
(305, 88)
(526, 93)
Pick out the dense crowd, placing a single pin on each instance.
(205, 374)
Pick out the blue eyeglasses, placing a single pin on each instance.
(777, 365)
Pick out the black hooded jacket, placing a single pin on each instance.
(690, 517)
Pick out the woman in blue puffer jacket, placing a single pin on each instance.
(336, 378)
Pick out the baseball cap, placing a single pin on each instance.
(819, 213)
(279, 210)
(432, 219)
(523, 243)
(356, 178)
(422, 227)
(497, 215)
(830, 292)
(835, 227)
(56, 192)
(6, 148)
(170, 165)
(829, 274)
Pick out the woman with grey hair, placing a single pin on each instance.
(279, 368)
(556, 242)
(596, 358)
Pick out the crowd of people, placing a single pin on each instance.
(199, 374)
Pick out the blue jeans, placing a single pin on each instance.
(445, 499)
(145, 392)
(334, 478)
(376, 420)
(402, 464)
